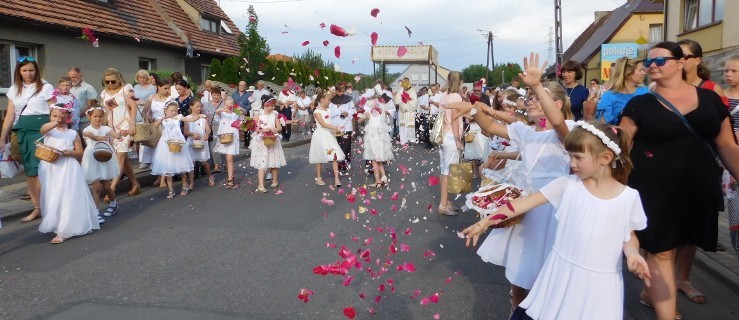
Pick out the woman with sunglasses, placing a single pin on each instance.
(627, 82)
(119, 98)
(677, 131)
(28, 109)
(696, 71)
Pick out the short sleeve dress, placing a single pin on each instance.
(676, 173)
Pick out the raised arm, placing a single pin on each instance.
(532, 77)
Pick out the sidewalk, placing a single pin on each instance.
(11, 190)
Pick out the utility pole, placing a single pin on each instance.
(490, 60)
(558, 30)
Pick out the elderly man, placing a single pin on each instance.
(256, 97)
(241, 99)
(407, 101)
(84, 92)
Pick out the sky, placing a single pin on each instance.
(450, 26)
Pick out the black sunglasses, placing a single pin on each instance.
(111, 81)
(659, 61)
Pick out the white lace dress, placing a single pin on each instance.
(323, 145)
(224, 126)
(198, 127)
(66, 203)
(263, 157)
(377, 143)
(167, 163)
(93, 169)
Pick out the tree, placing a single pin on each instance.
(312, 59)
(215, 69)
(474, 73)
(254, 48)
(503, 73)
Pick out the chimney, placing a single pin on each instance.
(600, 14)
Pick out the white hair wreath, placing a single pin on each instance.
(601, 135)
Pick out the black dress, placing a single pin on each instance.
(675, 172)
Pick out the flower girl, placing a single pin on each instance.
(266, 146)
(323, 145)
(197, 133)
(65, 198)
(97, 137)
(377, 143)
(169, 161)
(227, 142)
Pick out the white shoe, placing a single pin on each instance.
(269, 176)
(143, 166)
(100, 220)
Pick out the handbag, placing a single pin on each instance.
(8, 167)
(460, 177)
(146, 133)
(437, 131)
(720, 197)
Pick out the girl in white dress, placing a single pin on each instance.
(100, 173)
(197, 132)
(522, 248)
(65, 198)
(597, 214)
(267, 157)
(153, 109)
(323, 145)
(377, 143)
(167, 163)
(229, 149)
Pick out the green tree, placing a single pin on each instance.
(312, 59)
(215, 69)
(504, 73)
(230, 71)
(474, 73)
(254, 48)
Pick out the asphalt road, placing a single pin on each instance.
(235, 254)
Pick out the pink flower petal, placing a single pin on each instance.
(394, 197)
(434, 298)
(305, 43)
(348, 280)
(407, 232)
(331, 235)
(367, 241)
(381, 288)
(338, 31)
(433, 180)
(404, 247)
(425, 301)
(325, 44)
(322, 25)
(350, 198)
(373, 38)
(374, 12)
(373, 212)
(449, 279)
(402, 50)
(377, 299)
(361, 295)
(305, 295)
(436, 316)
(407, 266)
(428, 253)
(350, 313)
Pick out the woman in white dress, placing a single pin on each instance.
(168, 163)
(153, 109)
(323, 145)
(265, 157)
(65, 198)
(229, 149)
(100, 173)
(378, 147)
(197, 133)
(121, 117)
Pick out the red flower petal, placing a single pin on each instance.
(377, 299)
(337, 52)
(433, 180)
(373, 212)
(510, 207)
(350, 313)
(408, 266)
(305, 43)
(374, 12)
(499, 216)
(434, 298)
(381, 287)
(361, 295)
(348, 280)
(394, 197)
(402, 50)
(325, 43)
(428, 253)
(350, 198)
(322, 25)
(407, 232)
(373, 38)
(338, 31)
(425, 301)
(367, 241)
(404, 247)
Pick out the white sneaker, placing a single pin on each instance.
(269, 176)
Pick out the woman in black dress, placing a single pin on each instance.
(675, 171)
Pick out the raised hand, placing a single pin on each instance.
(532, 73)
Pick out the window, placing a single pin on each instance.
(414, 77)
(655, 33)
(204, 72)
(9, 54)
(209, 25)
(425, 77)
(699, 13)
(225, 27)
(147, 64)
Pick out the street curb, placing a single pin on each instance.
(146, 179)
(721, 273)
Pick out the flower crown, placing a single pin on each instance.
(509, 103)
(600, 134)
(67, 107)
(89, 111)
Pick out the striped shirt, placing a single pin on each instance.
(734, 109)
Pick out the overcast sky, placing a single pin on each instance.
(519, 26)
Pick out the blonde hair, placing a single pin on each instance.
(113, 72)
(557, 92)
(454, 82)
(582, 140)
(142, 72)
(622, 71)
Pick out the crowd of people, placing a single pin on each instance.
(608, 171)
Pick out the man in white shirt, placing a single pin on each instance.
(256, 98)
(341, 111)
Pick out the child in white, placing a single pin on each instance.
(197, 133)
(522, 248)
(597, 215)
(477, 150)
(167, 163)
(229, 149)
(99, 173)
(264, 157)
(378, 147)
(65, 198)
(323, 145)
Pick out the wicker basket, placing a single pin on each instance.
(510, 222)
(174, 146)
(269, 140)
(46, 153)
(197, 144)
(339, 133)
(102, 152)
(226, 138)
(469, 137)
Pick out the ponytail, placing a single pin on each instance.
(622, 162)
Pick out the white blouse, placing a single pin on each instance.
(36, 104)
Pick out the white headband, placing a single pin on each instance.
(89, 111)
(600, 134)
(509, 103)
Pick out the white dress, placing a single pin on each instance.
(522, 248)
(263, 157)
(66, 203)
(198, 127)
(93, 169)
(146, 154)
(323, 145)
(478, 148)
(119, 118)
(167, 163)
(224, 126)
(377, 143)
(581, 278)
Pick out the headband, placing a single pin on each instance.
(600, 134)
(509, 103)
(89, 111)
(68, 107)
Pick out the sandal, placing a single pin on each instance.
(58, 239)
(274, 184)
(111, 210)
(643, 301)
(693, 295)
(26, 197)
(337, 184)
(134, 191)
(170, 195)
(31, 216)
(185, 191)
(211, 181)
(377, 185)
(320, 182)
(230, 184)
(261, 190)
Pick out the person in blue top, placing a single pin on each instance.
(571, 73)
(628, 78)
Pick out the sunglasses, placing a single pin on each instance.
(531, 100)
(690, 56)
(26, 58)
(111, 81)
(659, 61)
